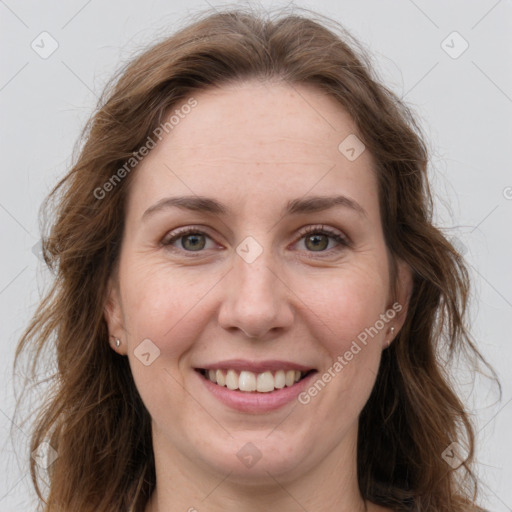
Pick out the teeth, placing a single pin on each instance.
(219, 378)
(280, 379)
(232, 380)
(265, 382)
(290, 378)
(248, 381)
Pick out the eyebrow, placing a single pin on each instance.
(293, 207)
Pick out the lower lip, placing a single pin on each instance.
(254, 401)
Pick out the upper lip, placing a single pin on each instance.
(255, 366)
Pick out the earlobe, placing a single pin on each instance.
(404, 286)
(113, 316)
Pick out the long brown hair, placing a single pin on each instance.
(93, 416)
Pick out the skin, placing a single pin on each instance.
(253, 147)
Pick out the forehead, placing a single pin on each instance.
(254, 141)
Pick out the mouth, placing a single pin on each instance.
(246, 381)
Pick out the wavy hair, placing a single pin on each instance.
(92, 414)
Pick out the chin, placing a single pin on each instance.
(251, 459)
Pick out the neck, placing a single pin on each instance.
(330, 485)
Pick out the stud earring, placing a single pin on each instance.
(392, 331)
(118, 343)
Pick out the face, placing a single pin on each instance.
(253, 255)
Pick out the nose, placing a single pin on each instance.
(255, 300)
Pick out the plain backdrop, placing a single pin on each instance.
(459, 84)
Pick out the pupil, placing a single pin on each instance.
(196, 242)
(317, 241)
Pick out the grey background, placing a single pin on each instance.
(465, 107)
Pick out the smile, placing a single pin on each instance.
(252, 386)
(250, 382)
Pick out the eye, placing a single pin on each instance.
(189, 239)
(318, 238)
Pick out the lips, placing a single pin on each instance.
(262, 378)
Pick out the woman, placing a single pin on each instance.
(251, 301)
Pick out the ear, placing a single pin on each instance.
(113, 313)
(402, 296)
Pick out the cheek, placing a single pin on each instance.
(347, 305)
(346, 318)
(166, 305)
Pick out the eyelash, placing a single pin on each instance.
(342, 241)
